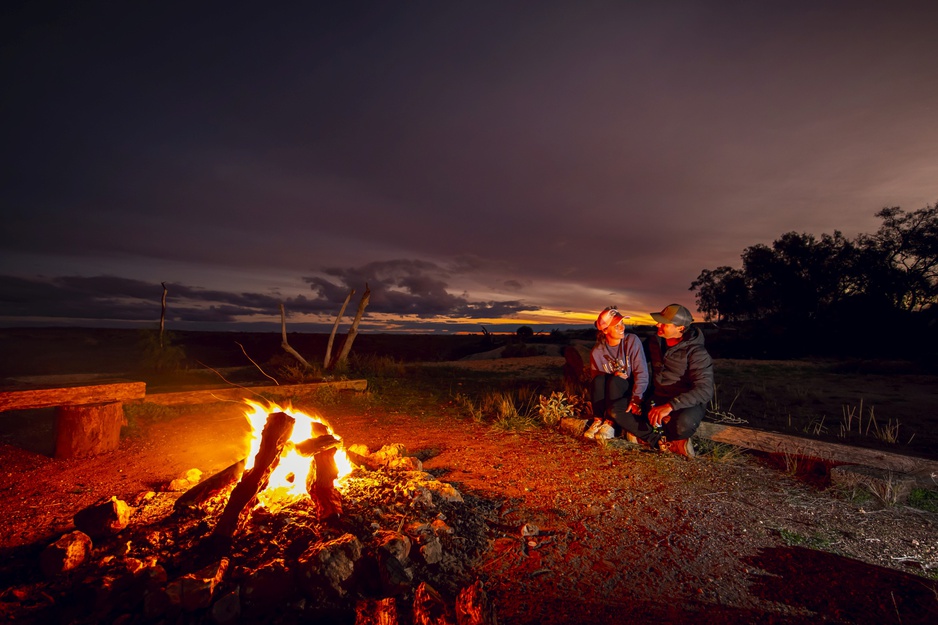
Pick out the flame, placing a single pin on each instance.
(288, 480)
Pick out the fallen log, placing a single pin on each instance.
(776, 443)
(275, 436)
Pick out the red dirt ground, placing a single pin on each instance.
(623, 535)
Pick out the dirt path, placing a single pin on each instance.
(621, 535)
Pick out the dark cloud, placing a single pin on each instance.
(402, 288)
(409, 287)
(557, 152)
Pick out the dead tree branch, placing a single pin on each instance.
(162, 314)
(353, 331)
(264, 373)
(283, 342)
(335, 326)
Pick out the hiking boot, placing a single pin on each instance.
(606, 431)
(593, 428)
(682, 447)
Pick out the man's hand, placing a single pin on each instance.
(659, 415)
(635, 406)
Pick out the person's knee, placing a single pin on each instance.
(687, 421)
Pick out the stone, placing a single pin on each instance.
(65, 554)
(332, 562)
(103, 520)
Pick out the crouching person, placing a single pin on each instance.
(682, 381)
(619, 375)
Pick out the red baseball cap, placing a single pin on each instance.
(608, 318)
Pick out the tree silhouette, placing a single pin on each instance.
(801, 278)
(524, 333)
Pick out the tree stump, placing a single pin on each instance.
(88, 430)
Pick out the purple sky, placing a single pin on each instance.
(472, 162)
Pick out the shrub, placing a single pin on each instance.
(165, 358)
(288, 370)
(924, 499)
(520, 350)
(554, 408)
(370, 365)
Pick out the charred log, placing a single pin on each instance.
(377, 612)
(322, 489)
(205, 490)
(430, 608)
(473, 606)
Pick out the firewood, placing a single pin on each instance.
(206, 489)
(429, 607)
(323, 487)
(275, 436)
(473, 606)
(312, 446)
(377, 612)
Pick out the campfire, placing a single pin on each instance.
(303, 528)
(293, 456)
(288, 480)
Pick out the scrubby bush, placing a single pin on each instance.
(161, 357)
(286, 369)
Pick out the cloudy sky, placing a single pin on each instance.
(473, 163)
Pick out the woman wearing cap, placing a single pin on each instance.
(683, 381)
(620, 374)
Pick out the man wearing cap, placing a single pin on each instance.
(682, 383)
(619, 375)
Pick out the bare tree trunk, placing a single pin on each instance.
(162, 314)
(353, 331)
(283, 341)
(335, 326)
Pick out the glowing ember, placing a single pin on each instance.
(288, 480)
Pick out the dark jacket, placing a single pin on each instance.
(681, 375)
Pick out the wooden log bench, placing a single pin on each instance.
(88, 417)
(236, 393)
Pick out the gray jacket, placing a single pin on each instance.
(683, 374)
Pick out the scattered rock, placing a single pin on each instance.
(65, 554)
(333, 561)
(103, 520)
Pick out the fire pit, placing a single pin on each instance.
(303, 529)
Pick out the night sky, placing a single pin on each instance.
(474, 163)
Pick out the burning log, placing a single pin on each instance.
(275, 436)
(430, 608)
(377, 612)
(205, 490)
(473, 606)
(323, 490)
(312, 446)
